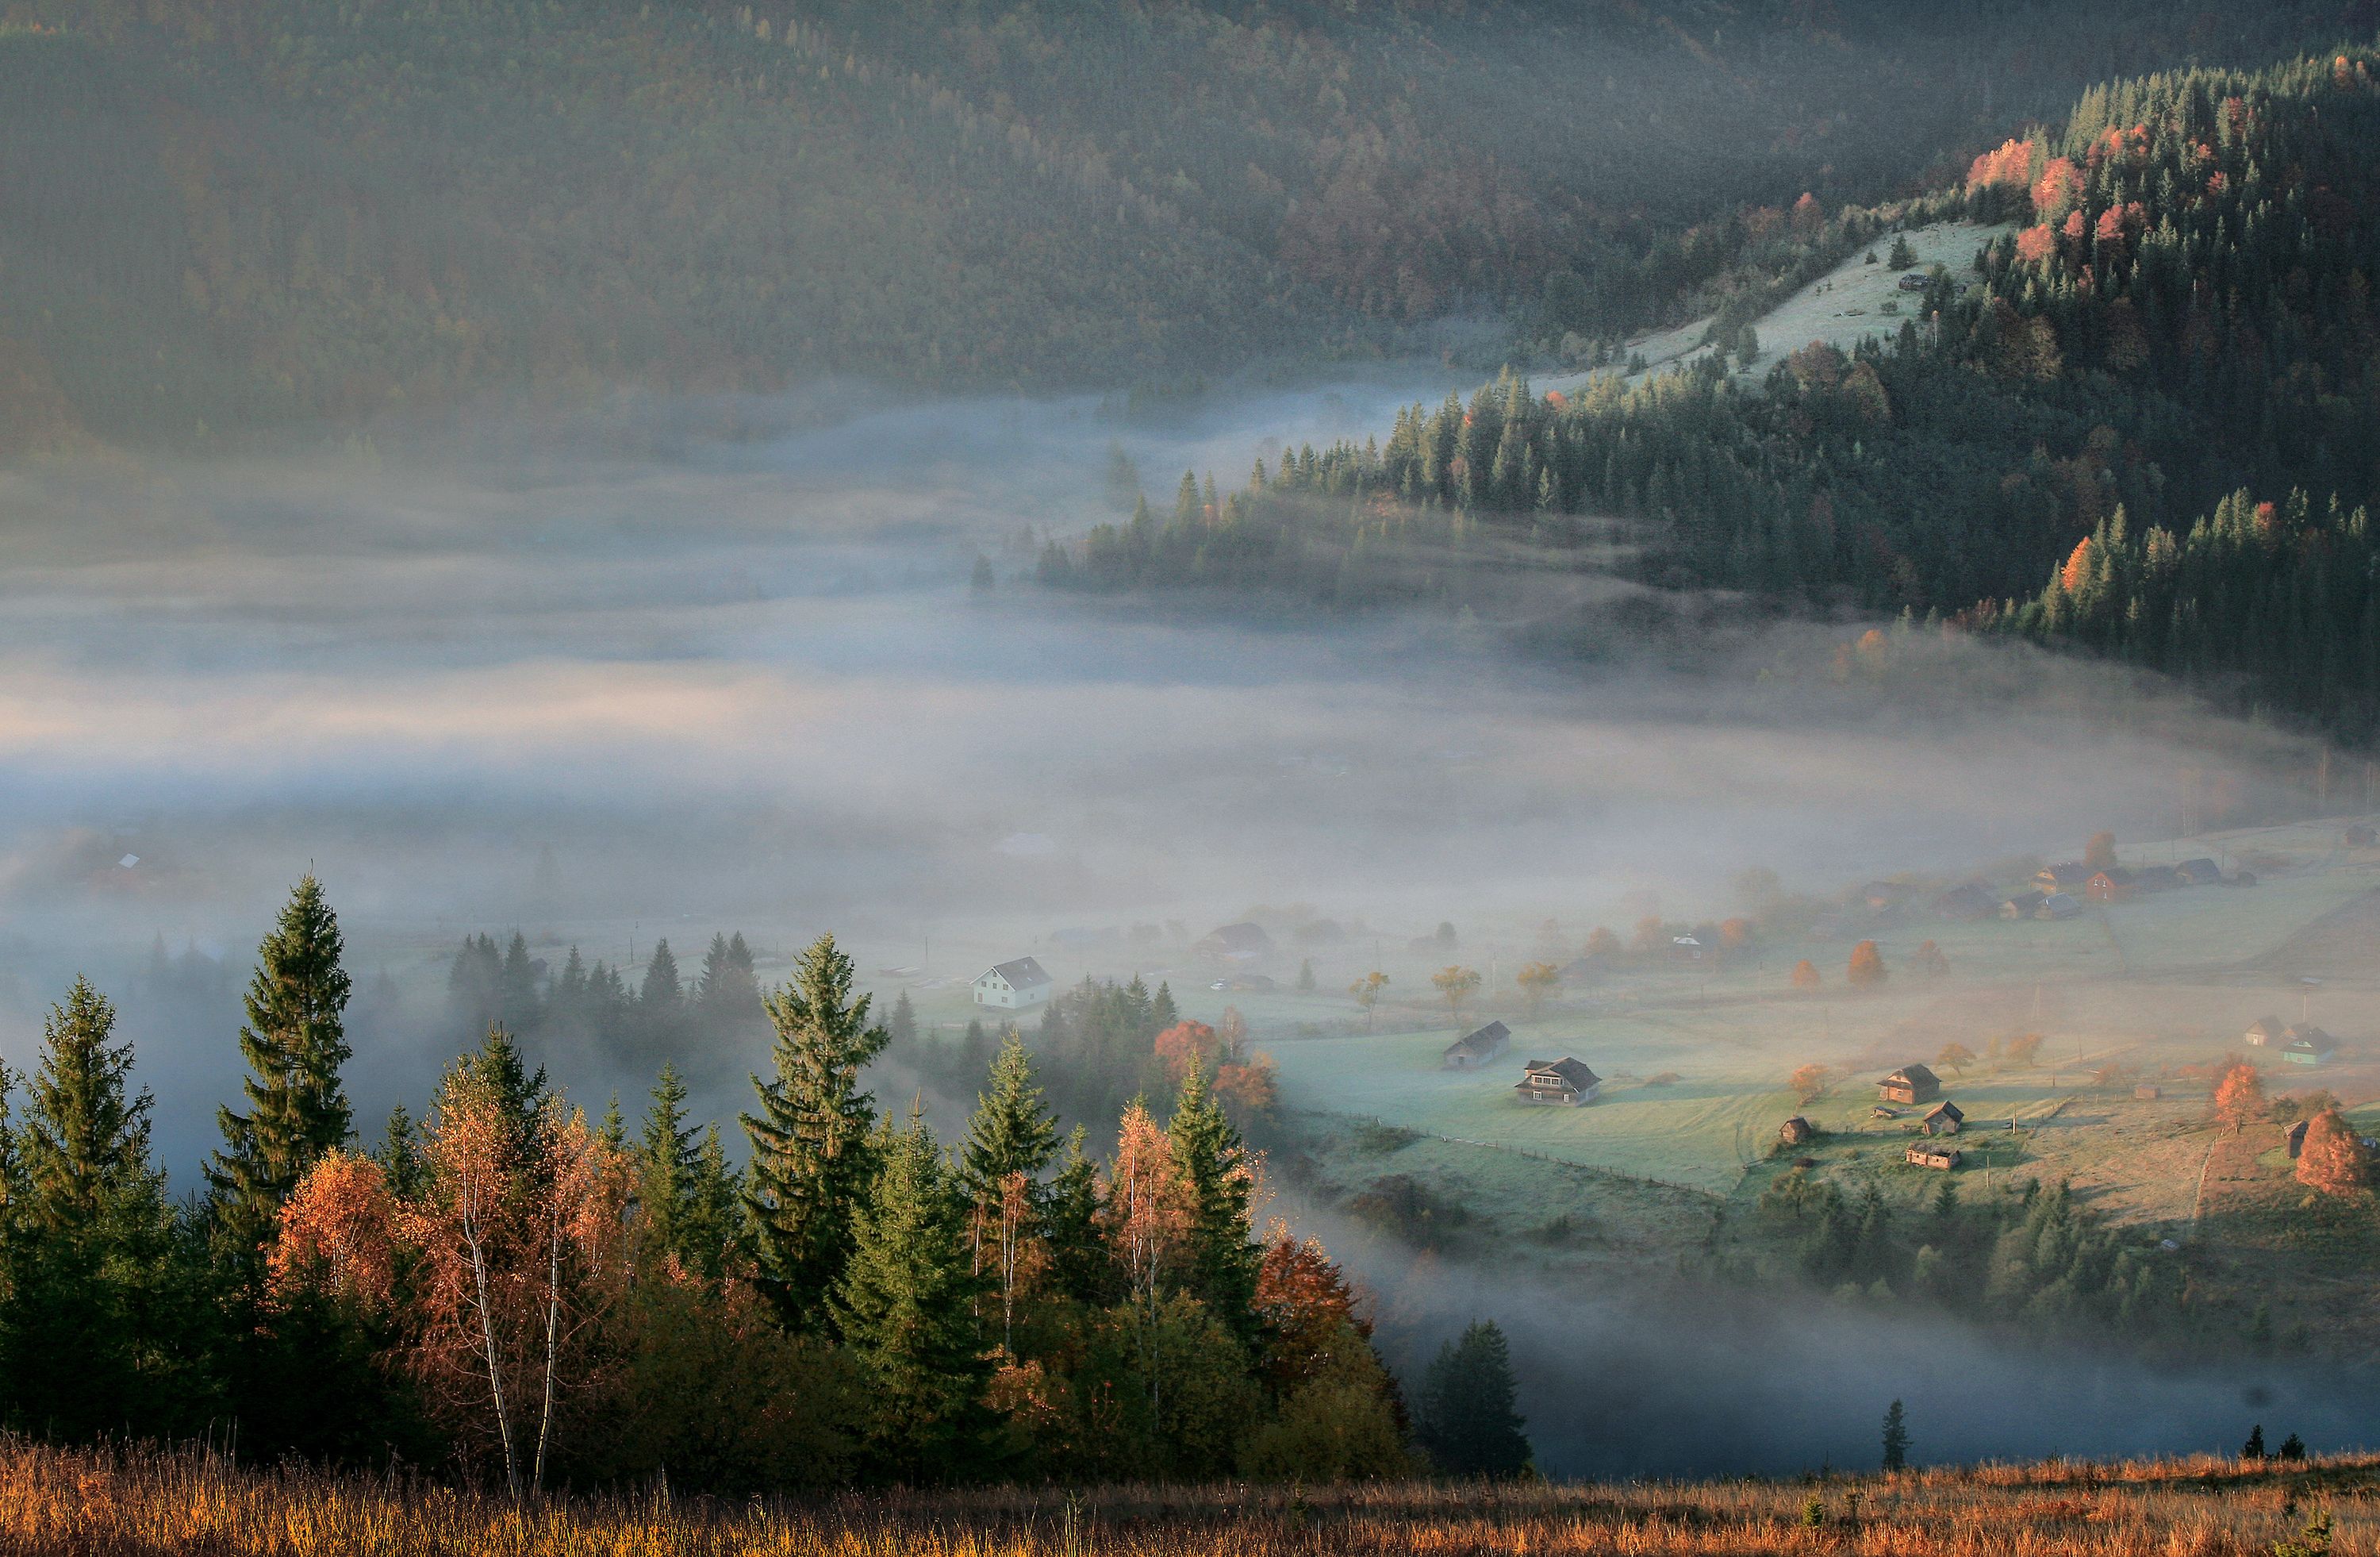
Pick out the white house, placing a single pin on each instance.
(1013, 984)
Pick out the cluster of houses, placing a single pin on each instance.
(2298, 1043)
(1910, 1086)
(1568, 1082)
(2059, 892)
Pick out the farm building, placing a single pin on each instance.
(2111, 885)
(1686, 948)
(2157, 877)
(1565, 1081)
(2266, 1032)
(2057, 906)
(2148, 1091)
(2022, 905)
(1944, 1120)
(1942, 1159)
(1909, 1084)
(1243, 941)
(1972, 901)
(1915, 281)
(2201, 872)
(1797, 1131)
(1475, 1049)
(2069, 876)
(2361, 836)
(2307, 1046)
(1012, 985)
(2297, 1138)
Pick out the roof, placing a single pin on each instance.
(2059, 905)
(1971, 898)
(2199, 867)
(2266, 1026)
(1911, 1075)
(1951, 1109)
(1020, 973)
(2114, 875)
(2148, 875)
(2063, 872)
(1575, 1072)
(2027, 901)
(1481, 1040)
(2310, 1041)
(1245, 936)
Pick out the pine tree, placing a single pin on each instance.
(903, 1306)
(1081, 1265)
(294, 1042)
(1895, 1438)
(399, 1155)
(1467, 1420)
(1011, 1131)
(517, 1003)
(2254, 1448)
(1161, 1012)
(661, 994)
(901, 1027)
(85, 1143)
(1223, 1256)
(811, 1156)
(711, 1210)
(668, 1169)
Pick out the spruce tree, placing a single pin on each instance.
(811, 1157)
(85, 1140)
(399, 1155)
(1895, 1438)
(668, 1166)
(1467, 1420)
(1080, 1263)
(1012, 1132)
(711, 1207)
(1162, 1014)
(294, 1042)
(661, 994)
(901, 1027)
(903, 1305)
(1223, 1256)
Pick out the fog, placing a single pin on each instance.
(663, 682)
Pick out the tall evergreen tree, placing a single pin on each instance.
(1212, 1159)
(399, 1154)
(516, 1001)
(901, 1027)
(1080, 1263)
(1011, 1131)
(1467, 1420)
(86, 1140)
(668, 1166)
(811, 1157)
(295, 1043)
(905, 1308)
(1896, 1437)
(661, 992)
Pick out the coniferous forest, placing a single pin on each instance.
(501, 1283)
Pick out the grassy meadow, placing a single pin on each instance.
(103, 1503)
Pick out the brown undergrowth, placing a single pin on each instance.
(102, 1502)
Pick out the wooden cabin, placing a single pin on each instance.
(1477, 1048)
(1909, 1084)
(1942, 1159)
(1797, 1131)
(1944, 1120)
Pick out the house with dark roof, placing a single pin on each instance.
(2200, 872)
(1944, 1120)
(1797, 1131)
(2057, 906)
(1909, 1084)
(2066, 876)
(1566, 1082)
(1010, 985)
(2111, 885)
(2157, 877)
(1476, 1048)
(2265, 1032)
(2021, 905)
(2307, 1046)
(2297, 1138)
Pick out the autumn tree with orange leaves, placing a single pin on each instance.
(2332, 1159)
(1806, 975)
(1866, 970)
(2239, 1094)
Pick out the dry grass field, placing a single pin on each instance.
(98, 1504)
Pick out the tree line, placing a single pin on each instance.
(541, 1299)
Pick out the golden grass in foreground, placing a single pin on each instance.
(101, 1504)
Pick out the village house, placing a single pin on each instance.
(2200, 872)
(2067, 876)
(2307, 1046)
(1972, 901)
(2022, 905)
(1797, 1131)
(2148, 1091)
(2157, 877)
(1909, 1084)
(2265, 1032)
(1243, 941)
(1012, 985)
(2111, 885)
(1944, 1121)
(1477, 1048)
(2057, 906)
(1565, 1081)
(1686, 948)
(1942, 1159)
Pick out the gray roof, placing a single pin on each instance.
(1484, 1041)
(1953, 1110)
(1575, 1072)
(1022, 973)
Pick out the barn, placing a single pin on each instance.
(1477, 1048)
(1909, 1084)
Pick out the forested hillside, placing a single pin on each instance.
(2182, 313)
(218, 217)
